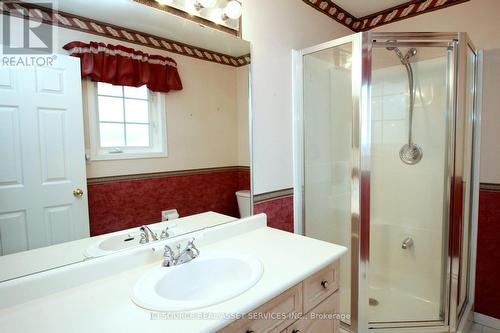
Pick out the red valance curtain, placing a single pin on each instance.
(124, 66)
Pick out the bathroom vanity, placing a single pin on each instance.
(296, 289)
(310, 306)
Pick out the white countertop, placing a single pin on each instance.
(104, 305)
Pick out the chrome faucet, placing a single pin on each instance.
(407, 243)
(170, 258)
(146, 232)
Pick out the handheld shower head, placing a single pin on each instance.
(411, 53)
(405, 59)
(410, 153)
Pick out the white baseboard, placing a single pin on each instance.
(486, 320)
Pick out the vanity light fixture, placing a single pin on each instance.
(218, 14)
(232, 10)
(201, 4)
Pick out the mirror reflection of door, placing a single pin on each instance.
(42, 173)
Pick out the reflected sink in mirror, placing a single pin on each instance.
(121, 241)
(209, 279)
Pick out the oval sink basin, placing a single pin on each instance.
(122, 241)
(207, 280)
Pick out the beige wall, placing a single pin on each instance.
(490, 122)
(206, 126)
(275, 28)
(243, 116)
(481, 20)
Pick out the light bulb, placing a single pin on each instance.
(206, 3)
(233, 10)
(217, 15)
(165, 2)
(190, 7)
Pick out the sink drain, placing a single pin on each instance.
(129, 238)
(373, 302)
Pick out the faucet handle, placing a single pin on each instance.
(164, 233)
(168, 256)
(144, 238)
(168, 252)
(192, 249)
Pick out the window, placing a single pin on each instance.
(125, 122)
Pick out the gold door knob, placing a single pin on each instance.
(78, 192)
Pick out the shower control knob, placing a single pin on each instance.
(324, 284)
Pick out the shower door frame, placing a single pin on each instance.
(359, 319)
(362, 44)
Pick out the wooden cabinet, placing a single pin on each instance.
(320, 285)
(269, 317)
(317, 296)
(321, 319)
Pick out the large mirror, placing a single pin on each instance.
(115, 134)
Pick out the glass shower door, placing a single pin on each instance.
(329, 151)
(408, 193)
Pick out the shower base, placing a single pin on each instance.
(395, 305)
(398, 305)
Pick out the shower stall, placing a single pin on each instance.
(386, 144)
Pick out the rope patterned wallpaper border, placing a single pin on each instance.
(84, 24)
(393, 14)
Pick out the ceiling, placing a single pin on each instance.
(132, 15)
(361, 8)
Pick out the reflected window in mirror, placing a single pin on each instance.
(125, 122)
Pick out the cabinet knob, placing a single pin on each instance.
(250, 331)
(324, 284)
(296, 331)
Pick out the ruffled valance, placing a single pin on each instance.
(124, 66)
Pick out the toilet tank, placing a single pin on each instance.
(243, 198)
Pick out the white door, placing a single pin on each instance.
(42, 156)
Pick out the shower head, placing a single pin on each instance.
(405, 59)
(411, 53)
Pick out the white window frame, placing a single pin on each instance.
(158, 129)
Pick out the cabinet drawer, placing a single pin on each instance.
(321, 319)
(319, 286)
(268, 317)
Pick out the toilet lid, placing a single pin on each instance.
(243, 193)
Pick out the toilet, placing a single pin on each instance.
(243, 198)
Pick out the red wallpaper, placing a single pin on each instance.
(279, 212)
(117, 205)
(487, 298)
(243, 179)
